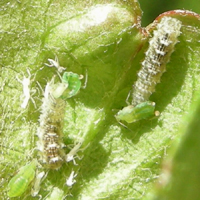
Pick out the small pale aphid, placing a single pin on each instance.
(161, 46)
(20, 182)
(26, 89)
(73, 153)
(36, 186)
(50, 130)
(70, 181)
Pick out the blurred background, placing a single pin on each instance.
(152, 8)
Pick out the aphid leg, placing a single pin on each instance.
(126, 127)
(122, 124)
(70, 181)
(79, 158)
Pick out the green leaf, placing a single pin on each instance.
(180, 171)
(105, 41)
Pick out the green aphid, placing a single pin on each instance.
(20, 182)
(74, 84)
(132, 113)
(69, 87)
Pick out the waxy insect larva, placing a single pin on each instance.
(50, 132)
(20, 182)
(161, 46)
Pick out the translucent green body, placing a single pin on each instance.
(132, 113)
(69, 86)
(19, 183)
(74, 84)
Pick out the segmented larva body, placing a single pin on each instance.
(161, 46)
(51, 126)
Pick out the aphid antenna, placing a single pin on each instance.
(55, 63)
(40, 87)
(74, 58)
(43, 91)
(127, 98)
(58, 73)
(29, 76)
